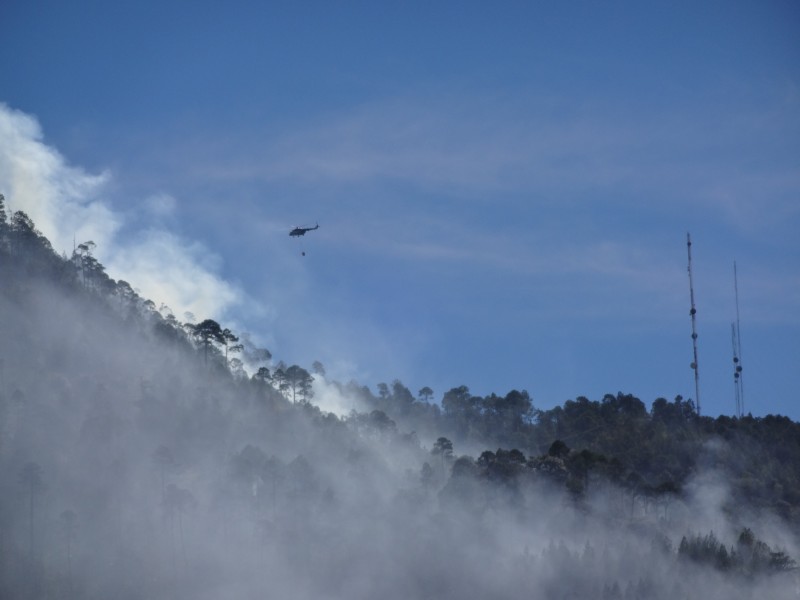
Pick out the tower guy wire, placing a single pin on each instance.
(693, 313)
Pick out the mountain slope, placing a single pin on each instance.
(139, 461)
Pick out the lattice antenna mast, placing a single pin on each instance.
(737, 389)
(737, 358)
(693, 313)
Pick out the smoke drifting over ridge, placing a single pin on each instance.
(137, 469)
(67, 205)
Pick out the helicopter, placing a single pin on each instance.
(298, 231)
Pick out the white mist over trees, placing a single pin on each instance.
(141, 457)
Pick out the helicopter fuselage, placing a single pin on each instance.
(298, 231)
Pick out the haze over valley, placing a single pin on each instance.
(145, 457)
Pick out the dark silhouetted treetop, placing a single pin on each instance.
(298, 383)
(318, 369)
(425, 394)
(207, 333)
(750, 556)
(443, 448)
(3, 226)
(558, 449)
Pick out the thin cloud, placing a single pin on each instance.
(536, 253)
(479, 147)
(161, 205)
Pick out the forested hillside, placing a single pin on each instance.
(145, 457)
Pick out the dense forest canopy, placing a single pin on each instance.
(145, 457)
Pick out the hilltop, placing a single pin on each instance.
(149, 457)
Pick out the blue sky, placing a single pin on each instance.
(503, 190)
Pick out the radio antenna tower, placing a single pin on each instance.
(738, 380)
(693, 313)
(737, 390)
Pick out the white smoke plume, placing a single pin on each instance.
(66, 204)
